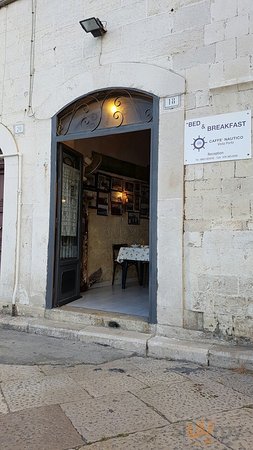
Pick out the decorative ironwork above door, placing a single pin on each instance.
(106, 109)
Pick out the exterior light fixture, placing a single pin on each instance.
(93, 26)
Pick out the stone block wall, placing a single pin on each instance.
(218, 239)
(206, 42)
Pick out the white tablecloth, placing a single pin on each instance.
(133, 253)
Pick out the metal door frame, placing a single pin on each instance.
(153, 127)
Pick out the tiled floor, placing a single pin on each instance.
(133, 300)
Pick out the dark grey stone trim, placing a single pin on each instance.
(153, 126)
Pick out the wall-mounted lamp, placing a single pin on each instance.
(124, 197)
(93, 26)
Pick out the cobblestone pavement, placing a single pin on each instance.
(61, 395)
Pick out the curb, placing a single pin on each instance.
(132, 341)
(224, 355)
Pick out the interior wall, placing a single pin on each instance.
(104, 231)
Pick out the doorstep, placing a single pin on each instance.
(85, 316)
(222, 354)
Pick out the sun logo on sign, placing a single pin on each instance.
(199, 143)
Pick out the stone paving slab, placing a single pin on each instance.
(203, 403)
(3, 405)
(171, 437)
(45, 428)
(47, 391)
(240, 382)
(66, 369)
(10, 372)
(109, 416)
(147, 370)
(123, 375)
(182, 401)
(99, 381)
(233, 428)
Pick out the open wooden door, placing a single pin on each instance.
(68, 224)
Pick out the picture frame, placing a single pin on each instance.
(130, 202)
(133, 218)
(90, 197)
(116, 184)
(102, 204)
(91, 182)
(137, 188)
(116, 209)
(145, 193)
(116, 197)
(129, 186)
(103, 182)
(137, 202)
(144, 210)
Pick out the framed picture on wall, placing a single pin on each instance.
(116, 209)
(145, 193)
(137, 202)
(130, 202)
(133, 218)
(90, 197)
(90, 182)
(102, 203)
(144, 210)
(116, 197)
(129, 187)
(116, 184)
(103, 182)
(137, 188)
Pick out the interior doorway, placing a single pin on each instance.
(106, 185)
(115, 212)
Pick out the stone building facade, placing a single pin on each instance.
(198, 50)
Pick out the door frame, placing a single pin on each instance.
(154, 130)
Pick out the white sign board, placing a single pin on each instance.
(218, 138)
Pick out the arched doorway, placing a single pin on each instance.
(105, 135)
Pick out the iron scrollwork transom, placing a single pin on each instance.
(107, 109)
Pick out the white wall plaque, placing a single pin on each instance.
(172, 102)
(218, 138)
(19, 128)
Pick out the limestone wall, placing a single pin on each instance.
(218, 240)
(154, 45)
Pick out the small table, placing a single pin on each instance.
(132, 253)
